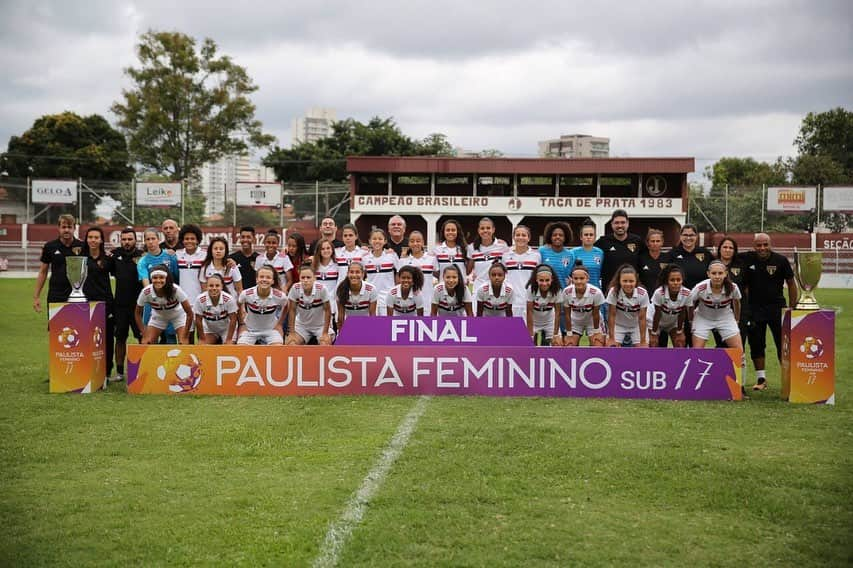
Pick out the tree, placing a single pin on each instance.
(829, 134)
(68, 145)
(187, 106)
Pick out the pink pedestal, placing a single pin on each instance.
(77, 347)
(808, 356)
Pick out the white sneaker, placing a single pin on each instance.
(115, 378)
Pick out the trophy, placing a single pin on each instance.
(75, 270)
(807, 269)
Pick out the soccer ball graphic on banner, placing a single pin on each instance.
(181, 371)
(97, 337)
(69, 338)
(812, 347)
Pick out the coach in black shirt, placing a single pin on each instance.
(765, 274)
(620, 247)
(53, 258)
(245, 257)
(692, 259)
(328, 230)
(128, 288)
(651, 261)
(98, 288)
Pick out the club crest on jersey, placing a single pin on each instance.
(76, 250)
(663, 265)
(700, 256)
(632, 247)
(735, 271)
(771, 270)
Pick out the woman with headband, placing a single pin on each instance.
(169, 305)
(716, 306)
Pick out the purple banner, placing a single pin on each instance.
(498, 332)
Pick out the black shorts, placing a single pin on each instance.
(762, 317)
(125, 321)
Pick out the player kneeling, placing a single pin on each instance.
(311, 315)
(584, 301)
(627, 302)
(216, 313)
(169, 305)
(670, 304)
(262, 310)
(716, 305)
(544, 298)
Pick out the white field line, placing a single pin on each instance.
(340, 531)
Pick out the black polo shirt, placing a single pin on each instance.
(247, 267)
(97, 285)
(54, 253)
(313, 246)
(166, 246)
(694, 263)
(398, 247)
(650, 269)
(765, 279)
(617, 253)
(128, 285)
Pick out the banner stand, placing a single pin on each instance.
(808, 356)
(77, 349)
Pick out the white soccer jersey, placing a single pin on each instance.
(280, 262)
(407, 306)
(713, 307)
(670, 309)
(166, 307)
(310, 311)
(358, 303)
(448, 305)
(345, 257)
(215, 316)
(628, 307)
(262, 313)
(445, 256)
(544, 310)
(379, 270)
(188, 269)
(229, 276)
(427, 264)
(582, 307)
(327, 275)
(494, 305)
(483, 259)
(519, 268)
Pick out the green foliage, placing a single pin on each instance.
(808, 169)
(187, 106)
(828, 134)
(326, 158)
(742, 172)
(67, 145)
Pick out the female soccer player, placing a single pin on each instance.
(352, 251)
(590, 255)
(311, 311)
(169, 305)
(485, 250)
(190, 260)
(355, 296)
(584, 301)
(520, 262)
(627, 303)
(263, 310)
(716, 305)
(326, 272)
(544, 298)
(154, 256)
(380, 266)
(494, 298)
(451, 297)
(405, 298)
(216, 313)
(217, 262)
(670, 304)
(453, 250)
(296, 252)
(419, 258)
(277, 259)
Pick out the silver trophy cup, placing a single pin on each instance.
(75, 270)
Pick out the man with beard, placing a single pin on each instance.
(765, 274)
(127, 291)
(246, 256)
(620, 247)
(328, 230)
(53, 257)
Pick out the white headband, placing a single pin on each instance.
(159, 273)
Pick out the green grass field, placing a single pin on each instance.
(111, 479)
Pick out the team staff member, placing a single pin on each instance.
(397, 240)
(171, 239)
(97, 287)
(246, 256)
(765, 274)
(328, 231)
(127, 291)
(620, 247)
(53, 258)
(651, 261)
(692, 259)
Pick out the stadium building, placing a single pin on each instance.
(530, 191)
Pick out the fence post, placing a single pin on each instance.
(133, 201)
(727, 210)
(80, 199)
(25, 245)
(763, 203)
(316, 203)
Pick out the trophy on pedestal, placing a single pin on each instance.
(807, 269)
(76, 271)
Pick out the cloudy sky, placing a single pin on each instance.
(679, 78)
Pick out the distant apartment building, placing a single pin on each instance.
(575, 146)
(316, 124)
(220, 177)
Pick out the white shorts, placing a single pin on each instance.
(548, 329)
(587, 330)
(306, 334)
(259, 337)
(162, 318)
(217, 329)
(702, 328)
(622, 332)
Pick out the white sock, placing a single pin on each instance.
(762, 374)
